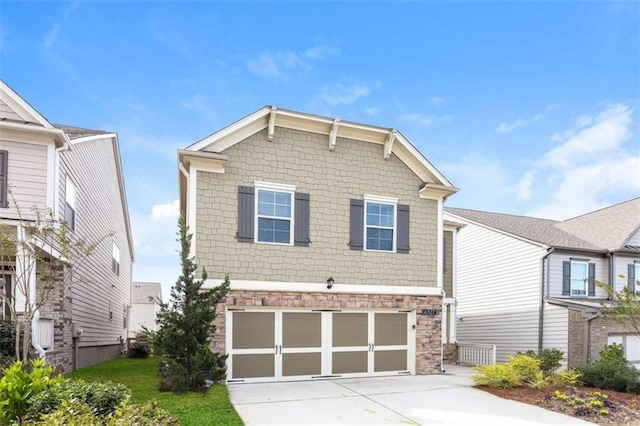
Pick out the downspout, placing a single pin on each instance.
(544, 278)
(442, 370)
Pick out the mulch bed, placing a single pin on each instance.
(623, 408)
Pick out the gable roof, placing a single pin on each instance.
(270, 117)
(146, 292)
(78, 132)
(602, 230)
(610, 227)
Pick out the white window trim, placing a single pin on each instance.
(275, 187)
(586, 280)
(637, 266)
(377, 199)
(70, 198)
(115, 255)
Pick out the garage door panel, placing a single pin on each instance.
(390, 329)
(350, 329)
(253, 330)
(390, 361)
(349, 362)
(304, 364)
(301, 330)
(253, 366)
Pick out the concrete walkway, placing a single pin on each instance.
(444, 399)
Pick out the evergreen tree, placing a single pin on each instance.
(186, 327)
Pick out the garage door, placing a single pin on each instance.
(271, 345)
(631, 345)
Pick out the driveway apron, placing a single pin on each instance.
(444, 399)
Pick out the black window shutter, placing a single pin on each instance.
(592, 279)
(402, 244)
(4, 156)
(566, 278)
(631, 277)
(246, 213)
(356, 234)
(301, 231)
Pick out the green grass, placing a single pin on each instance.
(141, 376)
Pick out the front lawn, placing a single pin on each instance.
(141, 376)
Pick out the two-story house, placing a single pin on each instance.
(332, 234)
(525, 283)
(75, 175)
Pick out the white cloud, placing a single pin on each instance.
(275, 64)
(591, 168)
(371, 111)
(424, 119)
(507, 127)
(342, 94)
(436, 101)
(156, 246)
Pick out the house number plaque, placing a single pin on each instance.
(430, 312)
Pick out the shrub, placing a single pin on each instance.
(139, 350)
(613, 375)
(550, 359)
(527, 367)
(613, 352)
(496, 376)
(18, 387)
(570, 377)
(5, 362)
(540, 381)
(7, 338)
(76, 413)
(102, 397)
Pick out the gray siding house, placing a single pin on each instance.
(332, 235)
(525, 283)
(76, 175)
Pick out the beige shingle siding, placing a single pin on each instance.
(331, 178)
(27, 177)
(92, 167)
(447, 275)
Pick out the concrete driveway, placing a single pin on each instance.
(446, 399)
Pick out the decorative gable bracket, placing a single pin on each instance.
(333, 135)
(272, 123)
(388, 144)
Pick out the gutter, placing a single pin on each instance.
(612, 271)
(543, 286)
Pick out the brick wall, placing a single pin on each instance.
(58, 308)
(599, 330)
(331, 178)
(450, 353)
(428, 329)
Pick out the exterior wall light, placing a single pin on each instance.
(330, 282)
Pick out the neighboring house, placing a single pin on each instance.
(76, 175)
(331, 233)
(144, 306)
(525, 283)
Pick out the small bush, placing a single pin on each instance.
(527, 367)
(496, 376)
(613, 375)
(550, 359)
(139, 350)
(540, 381)
(19, 386)
(76, 413)
(570, 377)
(613, 352)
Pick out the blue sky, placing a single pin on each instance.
(527, 107)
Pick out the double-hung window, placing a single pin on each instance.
(115, 259)
(380, 226)
(579, 277)
(274, 221)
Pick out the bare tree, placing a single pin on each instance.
(42, 255)
(624, 308)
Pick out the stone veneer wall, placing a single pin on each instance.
(450, 353)
(58, 308)
(428, 329)
(599, 329)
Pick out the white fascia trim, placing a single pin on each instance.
(51, 179)
(58, 135)
(93, 138)
(274, 186)
(380, 199)
(213, 166)
(322, 287)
